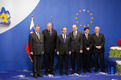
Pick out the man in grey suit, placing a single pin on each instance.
(36, 45)
(76, 42)
(63, 50)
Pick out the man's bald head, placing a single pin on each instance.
(97, 29)
(74, 28)
(49, 26)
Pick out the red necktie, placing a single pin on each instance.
(97, 36)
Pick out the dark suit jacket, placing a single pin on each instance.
(87, 43)
(36, 46)
(100, 41)
(61, 46)
(76, 44)
(49, 41)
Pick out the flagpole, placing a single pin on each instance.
(32, 17)
(51, 19)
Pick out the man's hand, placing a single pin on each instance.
(87, 48)
(69, 52)
(81, 51)
(98, 47)
(57, 52)
(43, 52)
(31, 53)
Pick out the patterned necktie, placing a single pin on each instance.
(87, 36)
(64, 38)
(74, 35)
(50, 32)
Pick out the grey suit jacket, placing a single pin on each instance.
(76, 44)
(36, 46)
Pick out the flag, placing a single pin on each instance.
(31, 31)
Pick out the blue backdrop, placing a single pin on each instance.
(106, 14)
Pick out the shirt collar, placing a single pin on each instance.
(86, 34)
(75, 32)
(36, 32)
(63, 34)
(97, 33)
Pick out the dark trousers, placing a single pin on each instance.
(63, 57)
(101, 55)
(75, 55)
(86, 60)
(48, 59)
(37, 61)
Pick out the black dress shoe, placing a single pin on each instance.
(103, 70)
(72, 72)
(46, 74)
(66, 73)
(78, 72)
(89, 71)
(61, 73)
(84, 71)
(96, 70)
(40, 75)
(52, 73)
(35, 76)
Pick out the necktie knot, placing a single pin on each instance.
(97, 35)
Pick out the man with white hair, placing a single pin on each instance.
(50, 36)
(98, 48)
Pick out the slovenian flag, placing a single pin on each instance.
(31, 31)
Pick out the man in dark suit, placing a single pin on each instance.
(50, 36)
(98, 48)
(36, 45)
(76, 42)
(87, 50)
(63, 50)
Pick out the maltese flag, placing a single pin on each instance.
(31, 31)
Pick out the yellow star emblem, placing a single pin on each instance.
(88, 25)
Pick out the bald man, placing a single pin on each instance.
(50, 36)
(98, 48)
(76, 44)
